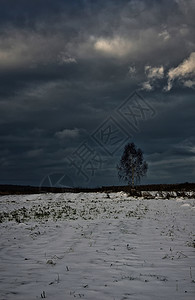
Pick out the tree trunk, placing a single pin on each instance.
(132, 181)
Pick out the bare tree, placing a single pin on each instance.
(132, 165)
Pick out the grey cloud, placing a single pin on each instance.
(66, 66)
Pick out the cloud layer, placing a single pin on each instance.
(66, 67)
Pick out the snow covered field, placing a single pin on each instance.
(91, 246)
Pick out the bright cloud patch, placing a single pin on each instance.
(20, 48)
(183, 72)
(67, 133)
(147, 86)
(132, 70)
(189, 83)
(64, 58)
(154, 73)
(114, 46)
(164, 35)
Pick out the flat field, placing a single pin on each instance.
(96, 246)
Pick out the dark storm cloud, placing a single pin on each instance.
(65, 66)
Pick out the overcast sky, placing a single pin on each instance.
(80, 79)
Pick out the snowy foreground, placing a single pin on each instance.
(90, 246)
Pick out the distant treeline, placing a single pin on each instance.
(17, 189)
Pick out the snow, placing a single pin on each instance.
(91, 246)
